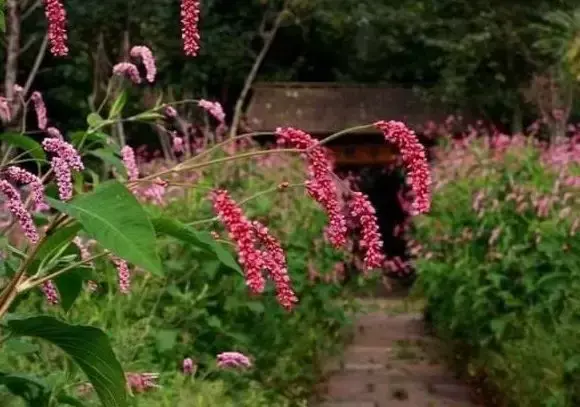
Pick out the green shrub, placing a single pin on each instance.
(500, 267)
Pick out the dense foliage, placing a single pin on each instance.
(499, 264)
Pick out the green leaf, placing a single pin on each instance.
(29, 145)
(118, 105)
(202, 240)
(89, 347)
(110, 158)
(112, 216)
(70, 285)
(20, 346)
(52, 244)
(94, 120)
(33, 390)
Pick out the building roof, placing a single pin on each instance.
(320, 108)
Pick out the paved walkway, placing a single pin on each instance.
(391, 363)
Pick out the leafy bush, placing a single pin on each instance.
(500, 263)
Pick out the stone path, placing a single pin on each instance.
(390, 362)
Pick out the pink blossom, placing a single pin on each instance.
(5, 112)
(56, 17)
(274, 261)
(130, 163)
(415, 160)
(233, 359)
(363, 211)
(127, 70)
(16, 207)
(213, 108)
(177, 144)
(242, 232)
(320, 184)
(170, 111)
(188, 366)
(50, 292)
(190, 10)
(141, 382)
(40, 109)
(63, 176)
(63, 150)
(124, 275)
(16, 174)
(146, 56)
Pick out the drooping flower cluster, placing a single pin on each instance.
(275, 262)
(233, 360)
(363, 211)
(127, 70)
(130, 164)
(57, 35)
(18, 210)
(40, 109)
(16, 174)
(50, 292)
(242, 232)
(66, 160)
(213, 108)
(320, 184)
(190, 10)
(188, 366)
(123, 275)
(144, 53)
(415, 160)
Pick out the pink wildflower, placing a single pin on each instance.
(63, 176)
(40, 109)
(414, 158)
(233, 359)
(170, 111)
(242, 232)
(188, 366)
(63, 150)
(50, 292)
(16, 207)
(146, 56)
(56, 17)
(5, 113)
(320, 184)
(141, 382)
(127, 70)
(124, 275)
(213, 108)
(177, 144)
(130, 164)
(364, 212)
(16, 174)
(275, 262)
(190, 10)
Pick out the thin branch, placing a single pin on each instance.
(37, 62)
(30, 10)
(28, 44)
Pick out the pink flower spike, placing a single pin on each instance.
(188, 366)
(213, 108)
(63, 150)
(127, 70)
(320, 184)
(57, 35)
(145, 54)
(190, 10)
(63, 178)
(275, 262)
(130, 163)
(40, 109)
(233, 360)
(18, 210)
(16, 174)
(50, 292)
(363, 211)
(415, 160)
(141, 382)
(242, 232)
(124, 275)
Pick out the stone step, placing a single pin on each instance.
(380, 330)
(346, 404)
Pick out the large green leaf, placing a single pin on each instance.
(29, 145)
(111, 159)
(199, 239)
(70, 285)
(112, 216)
(89, 347)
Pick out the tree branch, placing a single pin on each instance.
(12, 47)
